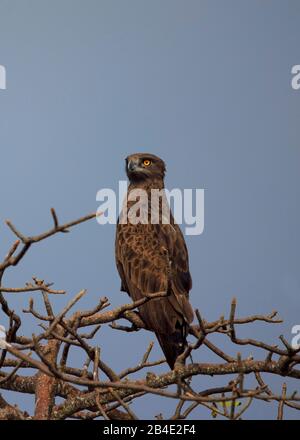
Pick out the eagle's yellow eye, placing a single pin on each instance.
(146, 162)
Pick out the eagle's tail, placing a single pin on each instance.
(172, 345)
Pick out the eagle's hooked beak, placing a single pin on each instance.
(132, 166)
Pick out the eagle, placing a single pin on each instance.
(152, 257)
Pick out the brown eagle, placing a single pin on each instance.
(153, 258)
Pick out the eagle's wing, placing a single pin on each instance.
(181, 280)
(153, 258)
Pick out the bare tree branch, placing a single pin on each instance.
(95, 389)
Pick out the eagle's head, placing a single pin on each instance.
(141, 166)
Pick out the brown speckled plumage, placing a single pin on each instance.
(153, 258)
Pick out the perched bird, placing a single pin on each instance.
(153, 258)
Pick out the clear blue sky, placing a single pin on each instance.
(204, 84)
